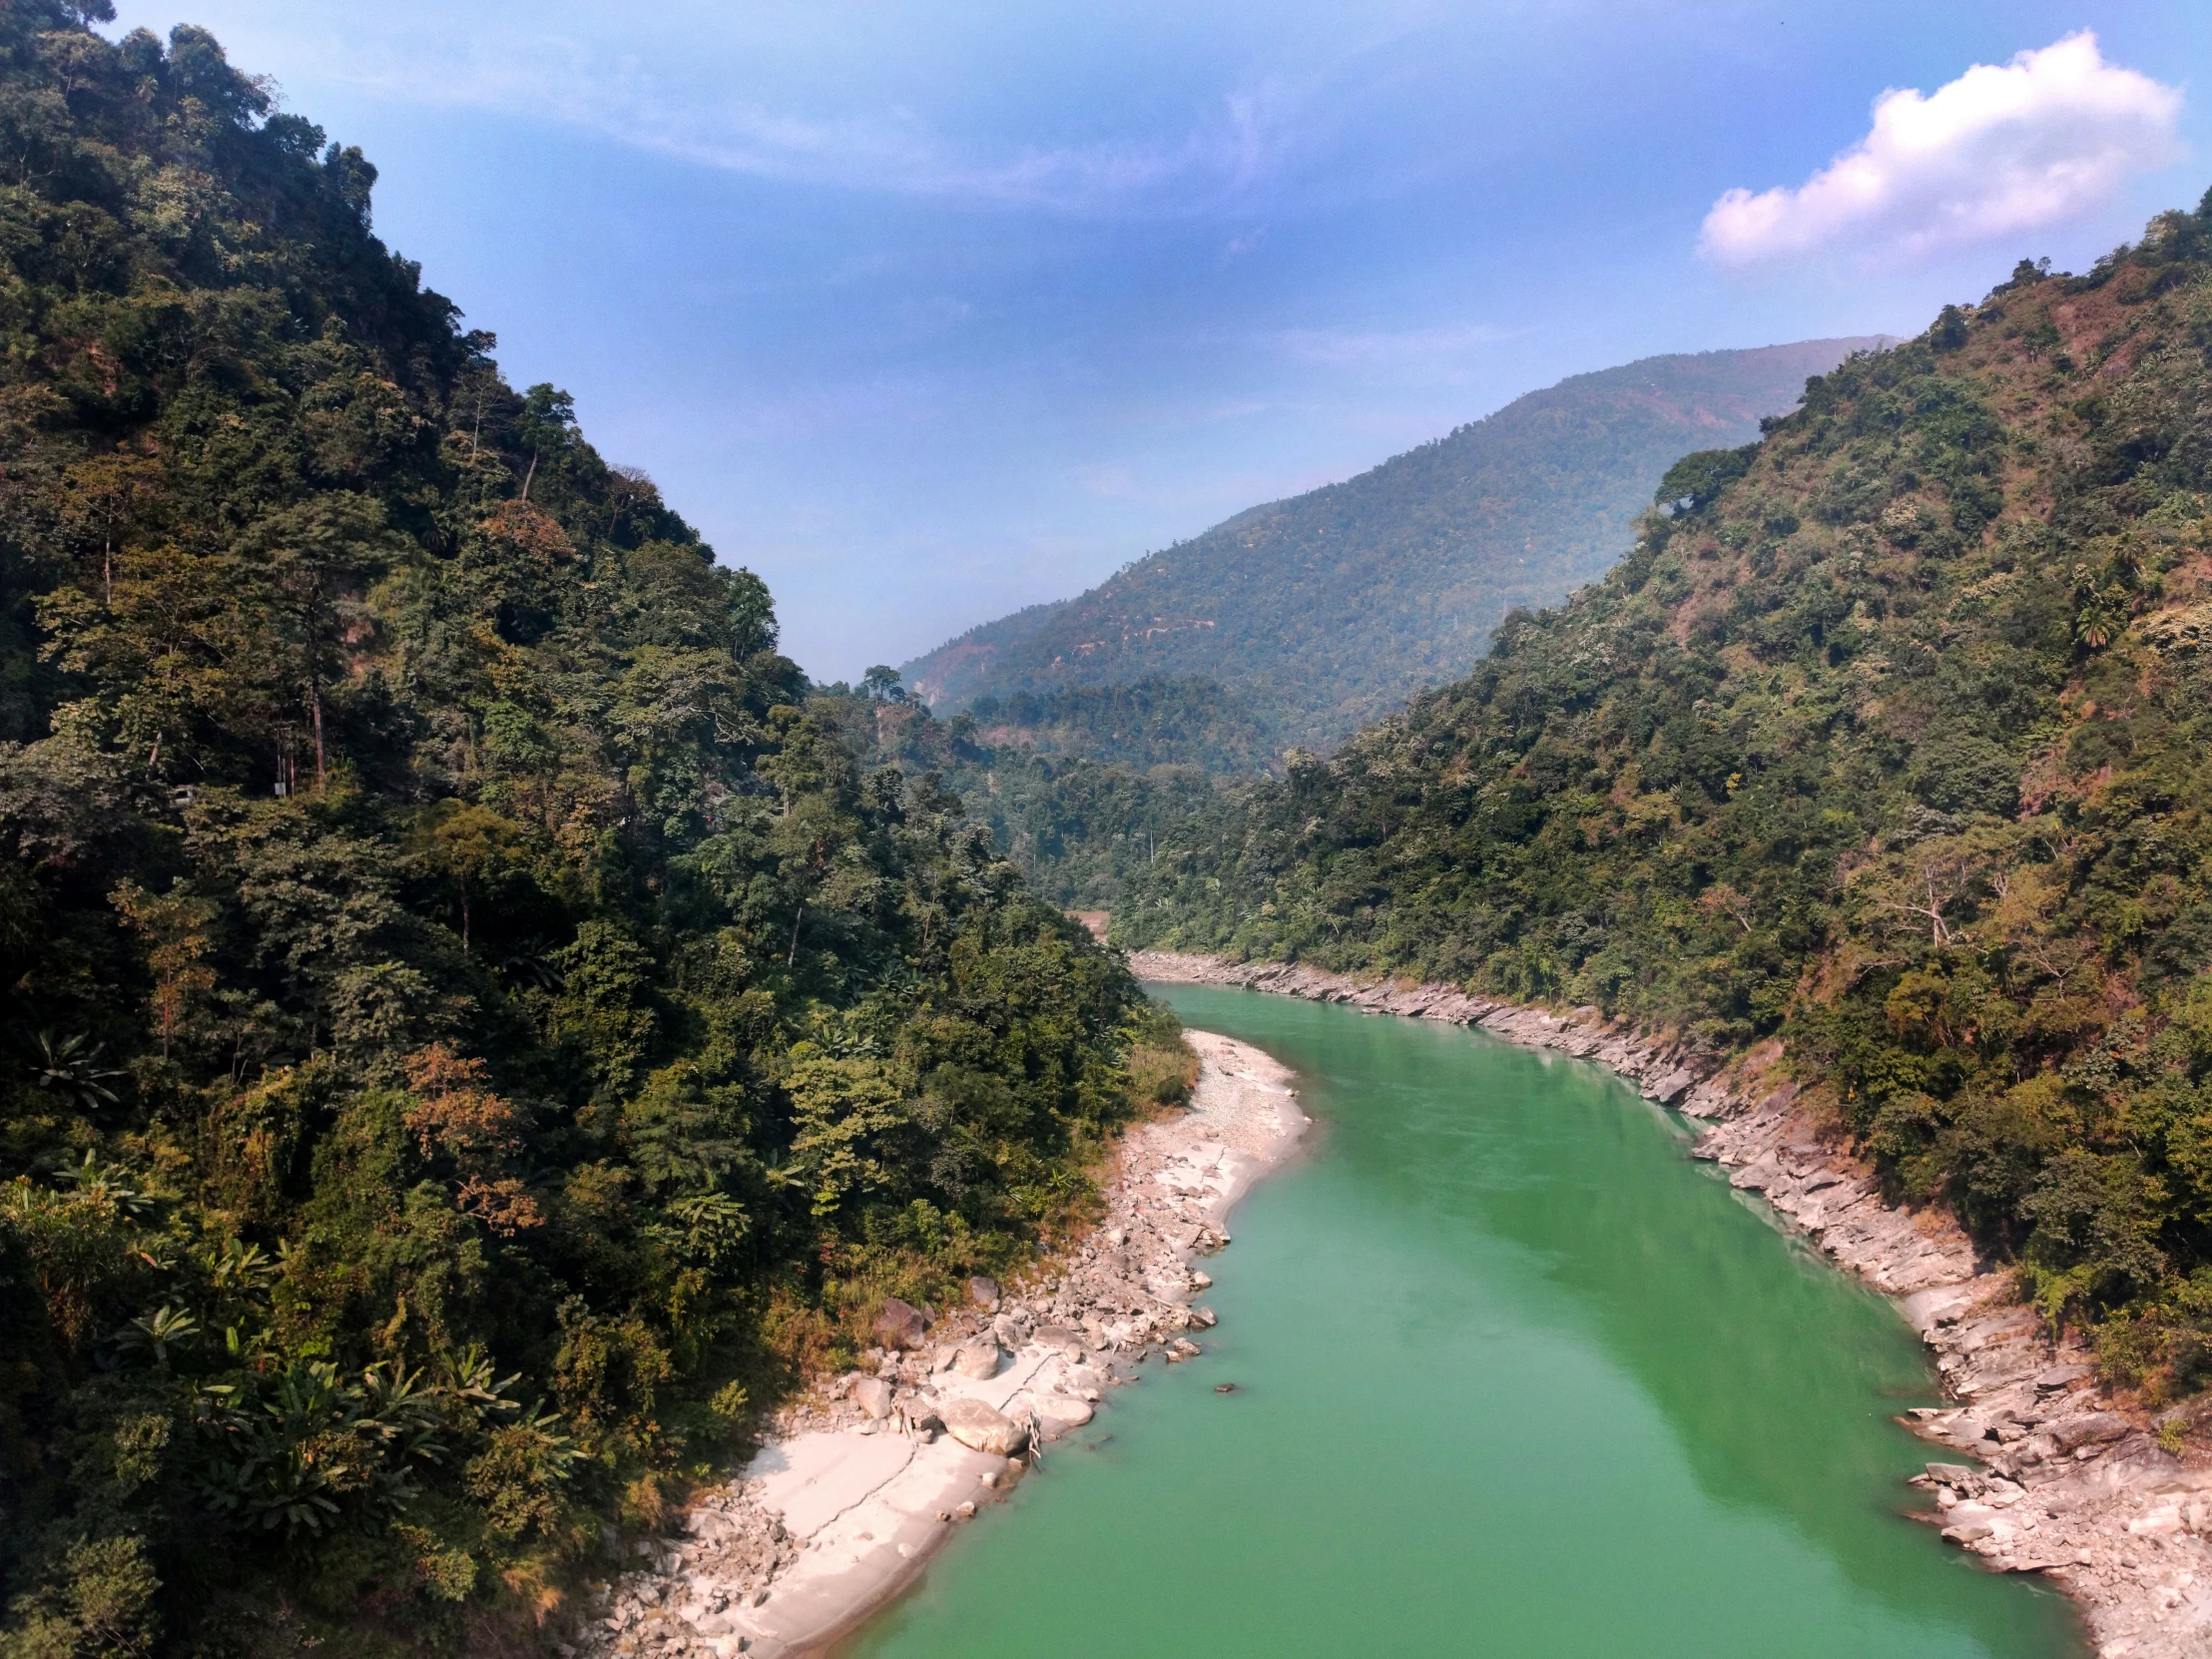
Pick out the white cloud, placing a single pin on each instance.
(1998, 152)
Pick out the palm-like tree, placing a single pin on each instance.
(70, 1068)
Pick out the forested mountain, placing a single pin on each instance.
(1075, 823)
(1146, 722)
(1330, 609)
(469, 1018)
(1892, 737)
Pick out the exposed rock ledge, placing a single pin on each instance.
(2064, 1483)
(864, 1481)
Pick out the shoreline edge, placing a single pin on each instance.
(861, 1481)
(2065, 1483)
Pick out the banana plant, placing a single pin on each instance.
(168, 1329)
(70, 1067)
(295, 1456)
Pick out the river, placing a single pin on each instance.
(1514, 1377)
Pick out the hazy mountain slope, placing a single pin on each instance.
(1331, 608)
(1077, 824)
(1898, 743)
(1143, 722)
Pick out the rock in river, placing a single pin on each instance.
(976, 1425)
(1057, 1413)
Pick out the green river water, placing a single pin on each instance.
(1514, 1377)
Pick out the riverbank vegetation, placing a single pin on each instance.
(1891, 736)
(475, 1027)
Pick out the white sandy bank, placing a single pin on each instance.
(839, 1510)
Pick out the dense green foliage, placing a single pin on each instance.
(1330, 609)
(1893, 737)
(470, 1018)
(1078, 827)
(1191, 721)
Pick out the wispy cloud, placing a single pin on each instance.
(1387, 349)
(2001, 150)
(1227, 151)
(1243, 243)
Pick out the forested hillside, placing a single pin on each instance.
(1893, 737)
(1076, 824)
(1145, 723)
(1319, 613)
(473, 1028)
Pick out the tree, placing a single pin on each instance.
(177, 928)
(300, 574)
(469, 844)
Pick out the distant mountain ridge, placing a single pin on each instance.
(1890, 748)
(1323, 611)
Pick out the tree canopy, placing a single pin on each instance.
(475, 1022)
(1889, 738)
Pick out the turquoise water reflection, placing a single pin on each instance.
(1515, 1379)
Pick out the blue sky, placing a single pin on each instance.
(927, 311)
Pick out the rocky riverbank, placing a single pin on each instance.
(2062, 1482)
(863, 1479)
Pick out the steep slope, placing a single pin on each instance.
(1075, 824)
(1895, 739)
(468, 1019)
(1330, 609)
(1145, 723)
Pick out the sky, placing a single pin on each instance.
(927, 311)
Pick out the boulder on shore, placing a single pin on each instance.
(900, 1324)
(980, 1428)
(983, 1291)
(977, 1360)
(1970, 1523)
(2096, 1427)
(874, 1396)
(1060, 1338)
(1057, 1413)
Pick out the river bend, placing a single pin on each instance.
(1514, 1377)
